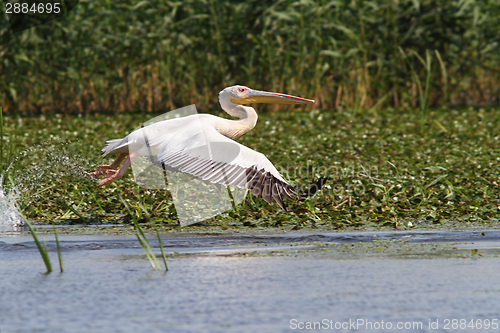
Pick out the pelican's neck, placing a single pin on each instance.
(246, 114)
(234, 129)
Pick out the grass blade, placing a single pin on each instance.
(444, 73)
(59, 255)
(148, 247)
(146, 251)
(143, 240)
(161, 248)
(41, 249)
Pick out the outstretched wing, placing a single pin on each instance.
(208, 155)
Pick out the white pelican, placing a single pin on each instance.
(210, 154)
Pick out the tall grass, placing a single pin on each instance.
(156, 55)
(423, 93)
(160, 244)
(141, 237)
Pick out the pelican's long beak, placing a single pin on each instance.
(256, 96)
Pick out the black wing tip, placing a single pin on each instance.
(315, 187)
(262, 184)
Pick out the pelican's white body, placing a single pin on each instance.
(204, 145)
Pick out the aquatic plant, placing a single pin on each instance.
(42, 249)
(3, 160)
(141, 237)
(164, 257)
(59, 254)
(382, 168)
(146, 247)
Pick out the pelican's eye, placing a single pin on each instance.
(241, 90)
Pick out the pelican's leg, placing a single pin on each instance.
(103, 169)
(117, 174)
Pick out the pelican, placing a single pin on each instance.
(175, 144)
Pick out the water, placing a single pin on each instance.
(10, 217)
(252, 283)
(54, 161)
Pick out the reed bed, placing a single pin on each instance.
(130, 56)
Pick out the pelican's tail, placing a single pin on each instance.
(115, 146)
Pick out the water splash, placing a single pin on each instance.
(31, 173)
(10, 217)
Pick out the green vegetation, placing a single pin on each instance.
(59, 255)
(160, 244)
(42, 249)
(393, 80)
(130, 56)
(143, 240)
(384, 171)
(5, 156)
(141, 237)
(44, 252)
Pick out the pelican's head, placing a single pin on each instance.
(243, 95)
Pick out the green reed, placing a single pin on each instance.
(42, 249)
(423, 92)
(59, 255)
(126, 56)
(164, 257)
(141, 237)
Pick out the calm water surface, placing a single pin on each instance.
(108, 285)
